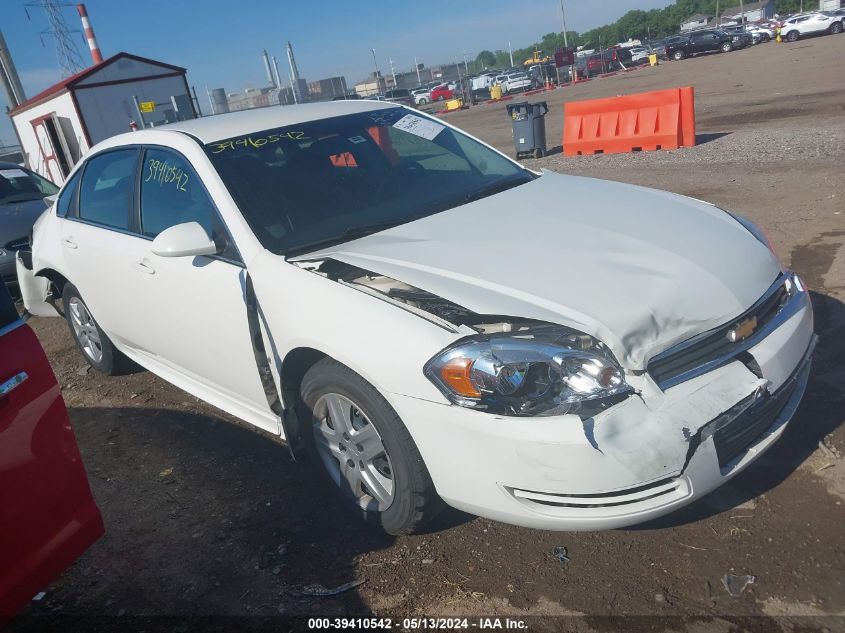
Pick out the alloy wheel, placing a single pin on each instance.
(85, 330)
(353, 453)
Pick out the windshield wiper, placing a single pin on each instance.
(22, 197)
(348, 235)
(497, 187)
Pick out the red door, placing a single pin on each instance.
(48, 517)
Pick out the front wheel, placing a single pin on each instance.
(726, 47)
(836, 27)
(678, 55)
(423, 101)
(95, 346)
(364, 451)
(792, 36)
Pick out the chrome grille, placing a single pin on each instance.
(712, 349)
(733, 437)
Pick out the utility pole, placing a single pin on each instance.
(718, 17)
(563, 17)
(392, 70)
(741, 12)
(466, 67)
(510, 52)
(378, 72)
(417, 67)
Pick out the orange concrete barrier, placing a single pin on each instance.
(640, 122)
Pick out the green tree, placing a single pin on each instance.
(486, 59)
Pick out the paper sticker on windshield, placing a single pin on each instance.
(13, 173)
(357, 139)
(418, 126)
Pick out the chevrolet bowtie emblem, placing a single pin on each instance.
(742, 330)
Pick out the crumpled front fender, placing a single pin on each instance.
(35, 290)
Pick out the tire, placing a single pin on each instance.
(765, 38)
(726, 47)
(678, 55)
(836, 27)
(440, 97)
(792, 36)
(403, 497)
(423, 101)
(96, 347)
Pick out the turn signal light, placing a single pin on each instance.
(456, 374)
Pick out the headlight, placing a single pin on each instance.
(541, 370)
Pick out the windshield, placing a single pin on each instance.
(20, 185)
(313, 184)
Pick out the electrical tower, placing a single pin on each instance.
(67, 52)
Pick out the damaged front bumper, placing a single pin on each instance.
(641, 459)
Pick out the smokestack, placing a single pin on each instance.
(270, 79)
(89, 34)
(294, 75)
(9, 76)
(276, 71)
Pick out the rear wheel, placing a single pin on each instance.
(423, 101)
(95, 346)
(678, 55)
(364, 452)
(792, 36)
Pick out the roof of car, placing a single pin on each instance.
(213, 128)
(6, 165)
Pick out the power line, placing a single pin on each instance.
(67, 51)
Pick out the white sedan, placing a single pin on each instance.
(427, 319)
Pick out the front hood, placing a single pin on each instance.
(17, 218)
(639, 269)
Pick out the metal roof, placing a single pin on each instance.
(65, 84)
(751, 6)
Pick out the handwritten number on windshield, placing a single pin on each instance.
(249, 141)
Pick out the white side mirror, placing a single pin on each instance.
(184, 240)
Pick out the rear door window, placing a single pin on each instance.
(105, 195)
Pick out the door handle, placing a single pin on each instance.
(144, 268)
(68, 243)
(12, 383)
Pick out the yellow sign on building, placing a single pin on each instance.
(147, 106)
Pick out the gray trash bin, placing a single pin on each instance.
(529, 127)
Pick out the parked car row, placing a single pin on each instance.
(728, 38)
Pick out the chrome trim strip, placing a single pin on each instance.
(13, 383)
(797, 301)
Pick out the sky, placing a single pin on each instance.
(220, 42)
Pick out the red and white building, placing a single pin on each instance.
(57, 126)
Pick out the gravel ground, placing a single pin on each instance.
(207, 518)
